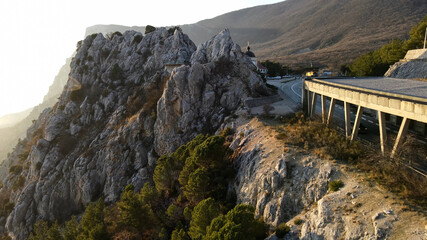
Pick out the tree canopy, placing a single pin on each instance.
(377, 62)
(189, 194)
(238, 224)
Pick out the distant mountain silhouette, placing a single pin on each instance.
(17, 128)
(11, 119)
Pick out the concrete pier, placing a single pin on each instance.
(400, 97)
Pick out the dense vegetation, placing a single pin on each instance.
(377, 62)
(275, 69)
(189, 200)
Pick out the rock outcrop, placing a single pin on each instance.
(198, 97)
(286, 184)
(119, 111)
(279, 184)
(413, 66)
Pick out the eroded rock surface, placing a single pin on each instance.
(121, 108)
(410, 70)
(288, 185)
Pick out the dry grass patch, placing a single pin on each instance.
(327, 143)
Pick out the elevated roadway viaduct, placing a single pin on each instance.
(399, 97)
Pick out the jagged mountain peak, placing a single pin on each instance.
(220, 45)
(120, 109)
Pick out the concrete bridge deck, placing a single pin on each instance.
(401, 97)
(406, 87)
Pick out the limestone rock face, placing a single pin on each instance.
(119, 111)
(285, 184)
(197, 98)
(220, 46)
(271, 181)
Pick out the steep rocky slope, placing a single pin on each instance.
(292, 184)
(120, 109)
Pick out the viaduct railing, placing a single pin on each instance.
(407, 107)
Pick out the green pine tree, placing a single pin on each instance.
(202, 216)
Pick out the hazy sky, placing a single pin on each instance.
(38, 35)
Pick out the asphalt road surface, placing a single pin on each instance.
(293, 89)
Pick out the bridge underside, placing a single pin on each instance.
(407, 107)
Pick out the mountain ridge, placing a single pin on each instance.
(322, 32)
(305, 32)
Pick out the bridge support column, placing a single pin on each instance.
(347, 119)
(401, 135)
(323, 99)
(305, 99)
(331, 111)
(356, 123)
(313, 104)
(383, 131)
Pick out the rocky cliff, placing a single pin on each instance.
(120, 109)
(287, 185)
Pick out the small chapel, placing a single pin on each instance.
(260, 68)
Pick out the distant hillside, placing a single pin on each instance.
(327, 32)
(9, 134)
(104, 29)
(13, 118)
(301, 32)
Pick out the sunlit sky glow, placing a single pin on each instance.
(38, 35)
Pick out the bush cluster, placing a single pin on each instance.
(66, 143)
(137, 39)
(282, 230)
(15, 169)
(23, 156)
(116, 73)
(18, 183)
(77, 95)
(5, 206)
(335, 185)
(320, 139)
(111, 35)
(92, 226)
(393, 173)
(275, 69)
(298, 221)
(196, 171)
(149, 29)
